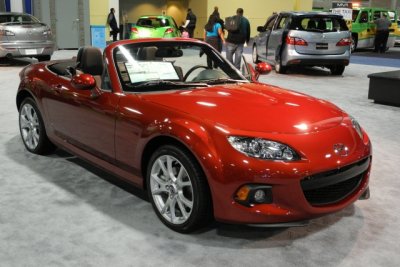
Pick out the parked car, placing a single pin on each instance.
(364, 29)
(155, 27)
(23, 35)
(173, 117)
(296, 38)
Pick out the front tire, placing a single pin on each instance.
(32, 129)
(178, 190)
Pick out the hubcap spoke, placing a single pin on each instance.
(182, 209)
(158, 179)
(170, 168)
(188, 203)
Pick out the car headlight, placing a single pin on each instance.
(262, 148)
(47, 32)
(356, 126)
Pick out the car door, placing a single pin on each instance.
(276, 36)
(84, 118)
(262, 37)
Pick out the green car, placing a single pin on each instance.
(155, 27)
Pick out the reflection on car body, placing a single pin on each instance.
(205, 142)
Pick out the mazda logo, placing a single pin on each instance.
(341, 150)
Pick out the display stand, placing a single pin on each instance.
(384, 87)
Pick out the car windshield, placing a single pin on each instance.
(153, 22)
(355, 15)
(154, 66)
(18, 19)
(319, 24)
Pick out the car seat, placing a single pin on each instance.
(311, 24)
(90, 61)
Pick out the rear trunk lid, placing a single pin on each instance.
(26, 32)
(321, 33)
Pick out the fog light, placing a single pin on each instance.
(259, 196)
(252, 194)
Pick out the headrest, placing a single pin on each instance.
(147, 53)
(91, 60)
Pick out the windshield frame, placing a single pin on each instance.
(224, 65)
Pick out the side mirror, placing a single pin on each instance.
(83, 81)
(263, 68)
(260, 29)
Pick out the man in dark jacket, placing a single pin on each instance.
(113, 24)
(236, 40)
(190, 23)
(382, 33)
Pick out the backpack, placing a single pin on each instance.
(209, 27)
(232, 23)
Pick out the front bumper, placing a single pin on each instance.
(294, 198)
(291, 57)
(26, 49)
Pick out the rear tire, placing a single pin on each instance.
(32, 129)
(337, 69)
(178, 189)
(278, 66)
(354, 42)
(255, 55)
(43, 58)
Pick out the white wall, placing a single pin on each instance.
(16, 6)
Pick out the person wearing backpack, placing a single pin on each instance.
(190, 23)
(238, 28)
(213, 35)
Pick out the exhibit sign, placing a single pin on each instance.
(343, 8)
(98, 36)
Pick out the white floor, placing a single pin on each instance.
(59, 211)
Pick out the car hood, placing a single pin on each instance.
(253, 107)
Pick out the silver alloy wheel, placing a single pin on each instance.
(171, 189)
(29, 125)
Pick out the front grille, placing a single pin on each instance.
(332, 186)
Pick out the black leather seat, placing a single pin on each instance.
(90, 60)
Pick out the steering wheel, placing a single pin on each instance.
(193, 69)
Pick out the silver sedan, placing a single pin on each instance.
(23, 35)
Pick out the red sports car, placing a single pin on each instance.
(206, 140)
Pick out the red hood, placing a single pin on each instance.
(253, 107)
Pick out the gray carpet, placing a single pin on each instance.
(59, 211)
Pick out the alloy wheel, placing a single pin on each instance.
(171, 189)
(29, 125)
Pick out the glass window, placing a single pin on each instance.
(18, 18)
(364, 17)
(174, 63)
(270, 22)
(319, 24)
(282, 22)
(153, 22)
(355, 15)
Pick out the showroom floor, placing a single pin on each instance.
(58, 211)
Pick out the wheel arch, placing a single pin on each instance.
(22, 95)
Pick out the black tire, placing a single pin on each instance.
(278, 66)
(354, 43)
(43, 58)
(255, 55)
(200, 214)
(337, 69)
(41, 144)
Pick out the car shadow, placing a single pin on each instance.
(7, 62)
(309, 71)
(124, 202)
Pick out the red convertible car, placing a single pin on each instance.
(205, 140)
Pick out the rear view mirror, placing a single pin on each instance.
(263, 68)
(83, 81)
(260, 29)
(165, 52)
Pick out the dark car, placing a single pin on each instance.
(307, 39)
(204, 141)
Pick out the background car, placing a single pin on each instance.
(23, 35)
(173, 117)
(155, 26)
(305, 39)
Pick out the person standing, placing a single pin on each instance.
(382, 33)
(213, 35)
(236, 40)
(220, 21)
(190, 23)
(112, 22)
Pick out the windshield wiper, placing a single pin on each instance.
(224, 80)
(162, 84)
